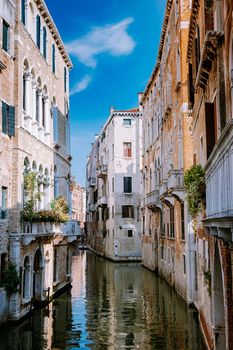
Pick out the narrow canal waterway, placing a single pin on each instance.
(110, 307)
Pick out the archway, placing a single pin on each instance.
(26, 278)
(37, 277)
(218, 304)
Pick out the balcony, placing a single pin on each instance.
(152, 199)
(163, 188)
(92, 182)
(102, 201)
(91, 207)
(175, 183)
(219, 182)
(34, 230)
(102, 170)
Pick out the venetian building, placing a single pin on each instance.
(167, 154)
(78, 195)
(210, 58)
(7, 132)
(113, 187)
(36, 133)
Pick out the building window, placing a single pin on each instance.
(8, 119)
(44, 42)
(38, 31)
(113, 211)
(130, 233)
(23, 11)
(37, 105)
(4, 203)
(113, 185)
(127, 211)
(3, 267)
(162, 252)
(24, 92)
(172, 222)
(5, 36)
(127, 184)
(184, 264)
(182, 221)
(53, 59)
(65, 79)
(127, 122)
(43, 111)
(127, 149)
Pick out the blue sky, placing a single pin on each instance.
(113, 46)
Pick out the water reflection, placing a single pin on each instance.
(111, 306)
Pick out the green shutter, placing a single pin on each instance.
(23, 13)
(4, 117)
(38, 31)
(5, 36)
(11, 121)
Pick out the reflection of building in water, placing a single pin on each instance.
(145, 313)
(78, 274)
(46, 330)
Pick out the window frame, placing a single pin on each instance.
(127, 184)
(4, 202)
(127, 119)
(127, 211)
(127, 149)
(5, 36)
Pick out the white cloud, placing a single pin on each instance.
(110, 39)
(81, 85)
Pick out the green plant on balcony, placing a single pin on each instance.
(59, 207)
(194, 181)
(11, 279)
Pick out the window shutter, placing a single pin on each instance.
(38, 31)
(44, 42)
(23, 17)
(4, 117)
(11, 121)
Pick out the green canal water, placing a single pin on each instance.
(110, 307)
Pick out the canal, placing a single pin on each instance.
(110, 307)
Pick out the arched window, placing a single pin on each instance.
(26, 86)
(38, 25)
(26, 165)
(46, 188)
(34, 167)
(26, 278)
(44, 42)
(38, 101)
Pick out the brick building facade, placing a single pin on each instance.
(34, 138)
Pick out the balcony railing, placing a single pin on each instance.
(152, 199)
(219, 177)
(163, 187)
(175, 179)
(102, 201)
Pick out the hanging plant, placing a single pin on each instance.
(11, 279)
(194, 181)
